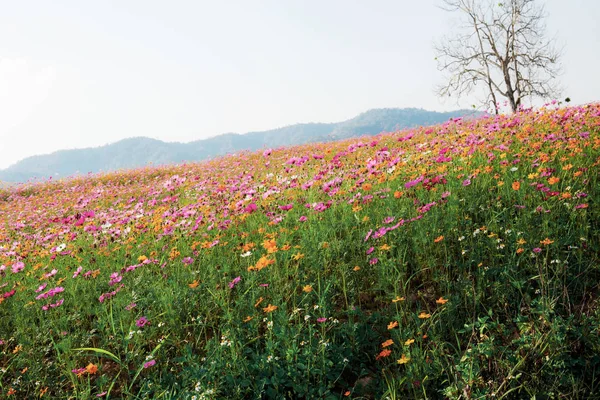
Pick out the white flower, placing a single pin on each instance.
(246, 254)
(61, 247)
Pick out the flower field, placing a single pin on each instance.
(456, 261)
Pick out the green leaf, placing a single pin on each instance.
(101, 351)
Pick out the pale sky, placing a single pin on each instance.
(87, 73)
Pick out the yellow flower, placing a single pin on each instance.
(397, 299)
(298, 256)
(409, 342)
(392, 325)
(424, 315)
(307, 289)
(404, 359)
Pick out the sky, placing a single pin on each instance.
(87, 73)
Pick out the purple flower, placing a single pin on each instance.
(537, 250)
(140, 323)
(149, 363)
(187, 260)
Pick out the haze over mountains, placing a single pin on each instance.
(140, 151)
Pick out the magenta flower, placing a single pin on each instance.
(187, 260)
(302, 218)
(373, 261)
(286, 207)
(149, 363)
(321, 320)
(466, 182)
(370, 250)
(537, 250)
(140, 323)
(234, 282)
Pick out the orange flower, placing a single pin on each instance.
(260, 300)
(270, 246)
(441, 300)
(383, 353)
(520, 250)
(356, 268)
(91, 368)
(307, 289)
(424, 315)
(194, 284)
(387, 343)
(270, 308)
(248, 319)
(516, 185)
(552, 180)
(439, 239)
(347, 393)
(404, 359)
(397, 299)
(397, 194)
(546, 242)
(392, 325)
(367, 186)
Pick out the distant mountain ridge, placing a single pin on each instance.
(140, 151)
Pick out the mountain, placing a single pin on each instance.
(140, 151)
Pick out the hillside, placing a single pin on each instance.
(455, 261)
(142, 151)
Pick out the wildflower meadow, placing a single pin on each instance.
(457, 261)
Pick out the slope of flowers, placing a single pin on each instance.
(455, 261)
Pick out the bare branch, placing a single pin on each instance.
(501, 46)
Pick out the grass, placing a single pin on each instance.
(460, 261)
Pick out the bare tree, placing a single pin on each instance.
(501, 46)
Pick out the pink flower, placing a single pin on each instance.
(302, 218)
(140, 323)
(17, 267)
(77, 272)
(537, 250)
(188, 260)
(322, 319)
(130, 306)
(149, 363)
(234, 282)
(370, 250)
(466, 182)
